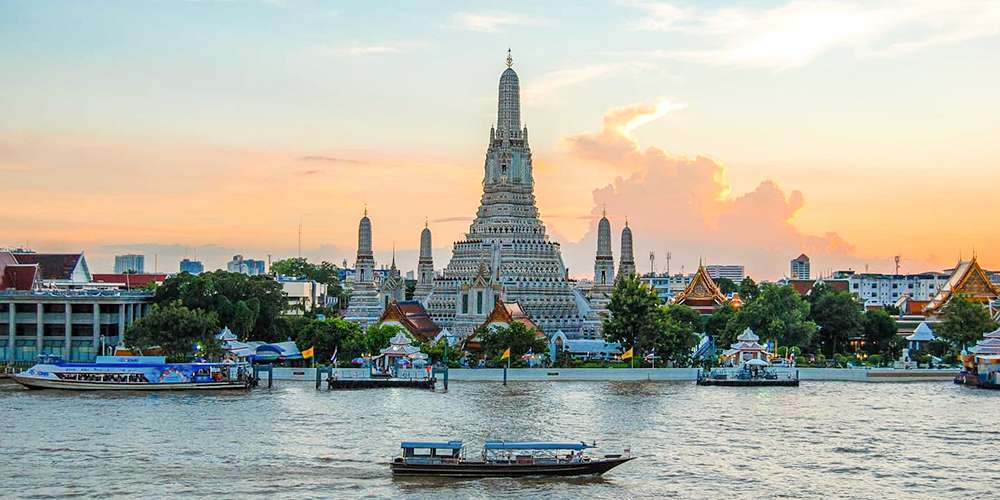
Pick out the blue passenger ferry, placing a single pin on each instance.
(502, 459)
(143, 373)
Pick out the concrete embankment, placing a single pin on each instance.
(626, 374)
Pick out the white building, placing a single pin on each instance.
(130, 263)
(667, 286)
(732, 272)
(303, 294)
(875, 289)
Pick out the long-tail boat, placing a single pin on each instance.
(503, 459)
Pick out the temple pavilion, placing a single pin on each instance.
(747, 347)
(920, 337)
(968, 281)
(702, 294)
(400, 354)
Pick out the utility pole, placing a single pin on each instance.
(669, 255)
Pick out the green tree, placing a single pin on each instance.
(776, 312)
(517, 337)
(634, 315)
(748, 289)
(839, 318)
(716, 325)
(248, 305)
(677, 338)
(964, 322)
(726, 285)
(332, 334)
(178, 331)
(880, 329)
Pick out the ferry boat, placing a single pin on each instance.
(132, 373)
(502, 459)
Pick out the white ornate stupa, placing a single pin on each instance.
(506, 253)
(364, 307)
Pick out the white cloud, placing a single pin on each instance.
(358, 49)
(553, 81)
(798, 32)
(492, 22)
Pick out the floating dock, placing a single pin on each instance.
(749, 382)
(379, 383)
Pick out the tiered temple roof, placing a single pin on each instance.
(701, 294)
(970, 282)
(411, 315)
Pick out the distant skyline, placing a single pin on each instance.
(740, 133)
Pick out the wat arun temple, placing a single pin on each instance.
(506, 256)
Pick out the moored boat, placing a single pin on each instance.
(133, 373)
(502, 459)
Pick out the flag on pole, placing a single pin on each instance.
(333, 357)
(308, 353)
(627, 354)
(506, 354)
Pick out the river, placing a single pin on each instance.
(823, 439)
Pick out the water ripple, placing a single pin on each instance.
(824, 439)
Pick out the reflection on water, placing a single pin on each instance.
(823, 439)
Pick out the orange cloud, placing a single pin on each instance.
(684, 205)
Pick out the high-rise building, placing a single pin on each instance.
(506, 253)
(734, 273)
(800, 268)
(249, 267)
(192, 266)
(130, 263)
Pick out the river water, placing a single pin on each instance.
(823, 439)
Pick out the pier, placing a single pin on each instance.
(380, 383)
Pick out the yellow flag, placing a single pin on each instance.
(627, 354)
(308, 353)
(506, 354)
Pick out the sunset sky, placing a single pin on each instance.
(731, 132)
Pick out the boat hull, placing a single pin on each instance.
(483, 469)
(39, 383)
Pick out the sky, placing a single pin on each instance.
(723, 132)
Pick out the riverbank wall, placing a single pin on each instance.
(630, 374)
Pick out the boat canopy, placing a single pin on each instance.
(439, 445)
(532, 445)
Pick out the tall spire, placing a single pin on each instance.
(509, 102)
(510, 60)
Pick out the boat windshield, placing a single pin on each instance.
(431, 451)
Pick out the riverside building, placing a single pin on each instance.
(50, 305)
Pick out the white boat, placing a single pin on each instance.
(133, 373)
